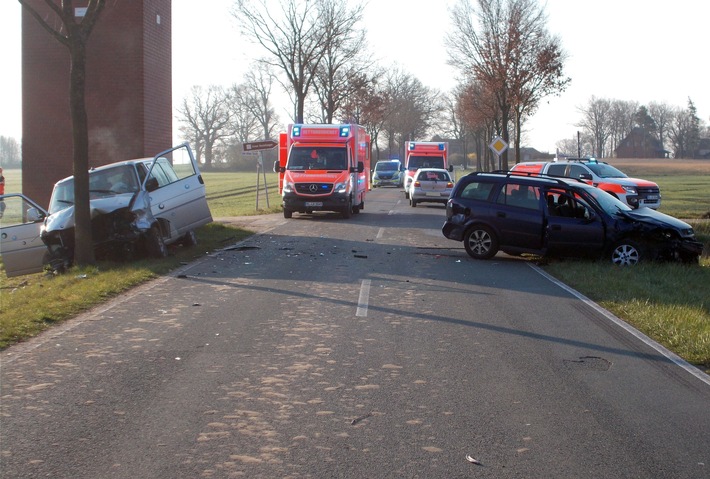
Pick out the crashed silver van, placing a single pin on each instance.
(138, 207)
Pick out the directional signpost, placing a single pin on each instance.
(259, 146)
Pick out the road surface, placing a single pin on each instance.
(364, 348)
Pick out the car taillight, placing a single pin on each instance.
(449, 185)
(416, 183)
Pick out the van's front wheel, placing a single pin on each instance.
(347, 212)
(154, 244)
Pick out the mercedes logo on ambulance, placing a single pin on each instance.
(313, 188)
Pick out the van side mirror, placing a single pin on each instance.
(360, 166)
(450, 168)
(33, 214)
(277, 166)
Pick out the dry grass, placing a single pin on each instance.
(640, 167)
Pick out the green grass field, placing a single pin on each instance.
(668, 302)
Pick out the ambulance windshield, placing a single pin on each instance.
(318, 158)
(417, 161)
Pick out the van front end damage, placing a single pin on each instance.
(119, 225)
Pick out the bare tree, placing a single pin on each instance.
(206, 119)
(684, 131)
(662, 115)
(504, 44)
(294, 41)
(411, 108)
(257, 99)
(343, 58)
(73, 32)
(10, 152)
(479, 110)
(367, 105)
(596, 121)
(621, 120)
(245, 126)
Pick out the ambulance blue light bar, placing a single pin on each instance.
(413, 145)
(296, 131)
(344, 131)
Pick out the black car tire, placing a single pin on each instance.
(154, 244)
(626, 253)
(412, 202)
(348, 210)
(287, 213)
(480, 242)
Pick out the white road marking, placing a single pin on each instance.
(364, 298)
(380, 232)
(677, 360)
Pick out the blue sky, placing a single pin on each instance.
(629, 50)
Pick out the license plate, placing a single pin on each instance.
(651, 197)
(314, 204)
(433, 194)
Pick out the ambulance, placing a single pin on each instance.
(424, 154)
(323, 168)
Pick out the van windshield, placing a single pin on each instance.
(416, 161)
(102, 183)
(318, 158)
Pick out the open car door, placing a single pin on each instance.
(21, 248)
(177, 191)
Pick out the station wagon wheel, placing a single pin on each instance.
(480, 242)
(412, 202)
(154, 244)
(626, 253)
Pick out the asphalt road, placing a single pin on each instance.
(364, 348)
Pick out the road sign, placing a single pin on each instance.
(260, 145)
(498, 145)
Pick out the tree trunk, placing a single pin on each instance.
(83, 241)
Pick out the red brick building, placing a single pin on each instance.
(128, 91)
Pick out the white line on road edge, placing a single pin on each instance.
(677, 360)
(364, 298)
(380, 232)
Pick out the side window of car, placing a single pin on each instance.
(522, 196)
(567, 206)
(159, 174)
(15, 210)
(477, 190)
(556, 170)
(576, 171)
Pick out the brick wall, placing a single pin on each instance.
(128, 92)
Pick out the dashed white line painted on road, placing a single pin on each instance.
(364, 298)
(380, 232)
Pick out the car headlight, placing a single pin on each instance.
(341, 187)
(629, 189)
(288, 187)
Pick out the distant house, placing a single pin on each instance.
(639, 143)
(531, 154)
